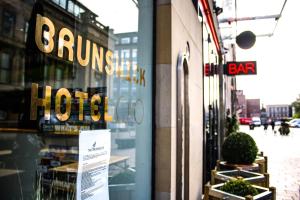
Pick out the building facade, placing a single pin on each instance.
(253, 107)
(280, 111)
(242, 103)
(73, 68)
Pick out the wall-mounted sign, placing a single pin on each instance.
(241, 68)
(210, 69)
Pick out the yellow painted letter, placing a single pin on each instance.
(109, 68)
(97, 57)
(83, 62)
(95, 98)
(41, 35)
(63, 43)
(63, 116)
(82, 96)
(35, 101)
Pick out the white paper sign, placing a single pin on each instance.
(93, 163)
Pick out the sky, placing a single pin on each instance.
(276, 56)
(121, 18)
(277, 81)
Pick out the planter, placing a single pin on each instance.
(214, 193)
(262, 161)
(251, 177)
(223, 165)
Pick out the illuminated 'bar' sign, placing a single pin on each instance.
(241, 68)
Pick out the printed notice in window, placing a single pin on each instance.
(93, 163)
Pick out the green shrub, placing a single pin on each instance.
(239, 188)
(231, 125)
(239, 148)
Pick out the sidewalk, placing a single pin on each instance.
(283, 159)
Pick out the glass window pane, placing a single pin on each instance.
(8, 23)
(125, 40)
(135, 39)
(134, 53)
(70, 6)
(76, 11)
(4, 76)
(5, 61)
(82, 79)
(63, 3)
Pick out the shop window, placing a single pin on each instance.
(68, 89)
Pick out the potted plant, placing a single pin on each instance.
(231, 124)
(262, 161)
(239, 189)
(239, 150)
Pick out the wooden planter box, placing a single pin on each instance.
(262, 161)
(214, 193)
(252, 177)
(223, 165)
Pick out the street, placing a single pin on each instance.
(283, 159)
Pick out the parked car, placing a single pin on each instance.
(255, 121)
(278, 122)
(245, 120)
(294, 123)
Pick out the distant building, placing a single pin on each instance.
(126, 55)
(241, 104)
(279, 111)
(253, 107)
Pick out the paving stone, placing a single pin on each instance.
(283, 160)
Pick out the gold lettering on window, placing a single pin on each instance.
(95, 108)
(119, 68)
(83, 62)
(97, 57)
(35, 102)
(82, 96)
(107, 117)
(60, 93)
(127, 78)
(65, 43)
(109, 68)
(142, 77)
(41, 34)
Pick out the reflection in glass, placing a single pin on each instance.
(83, 49)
